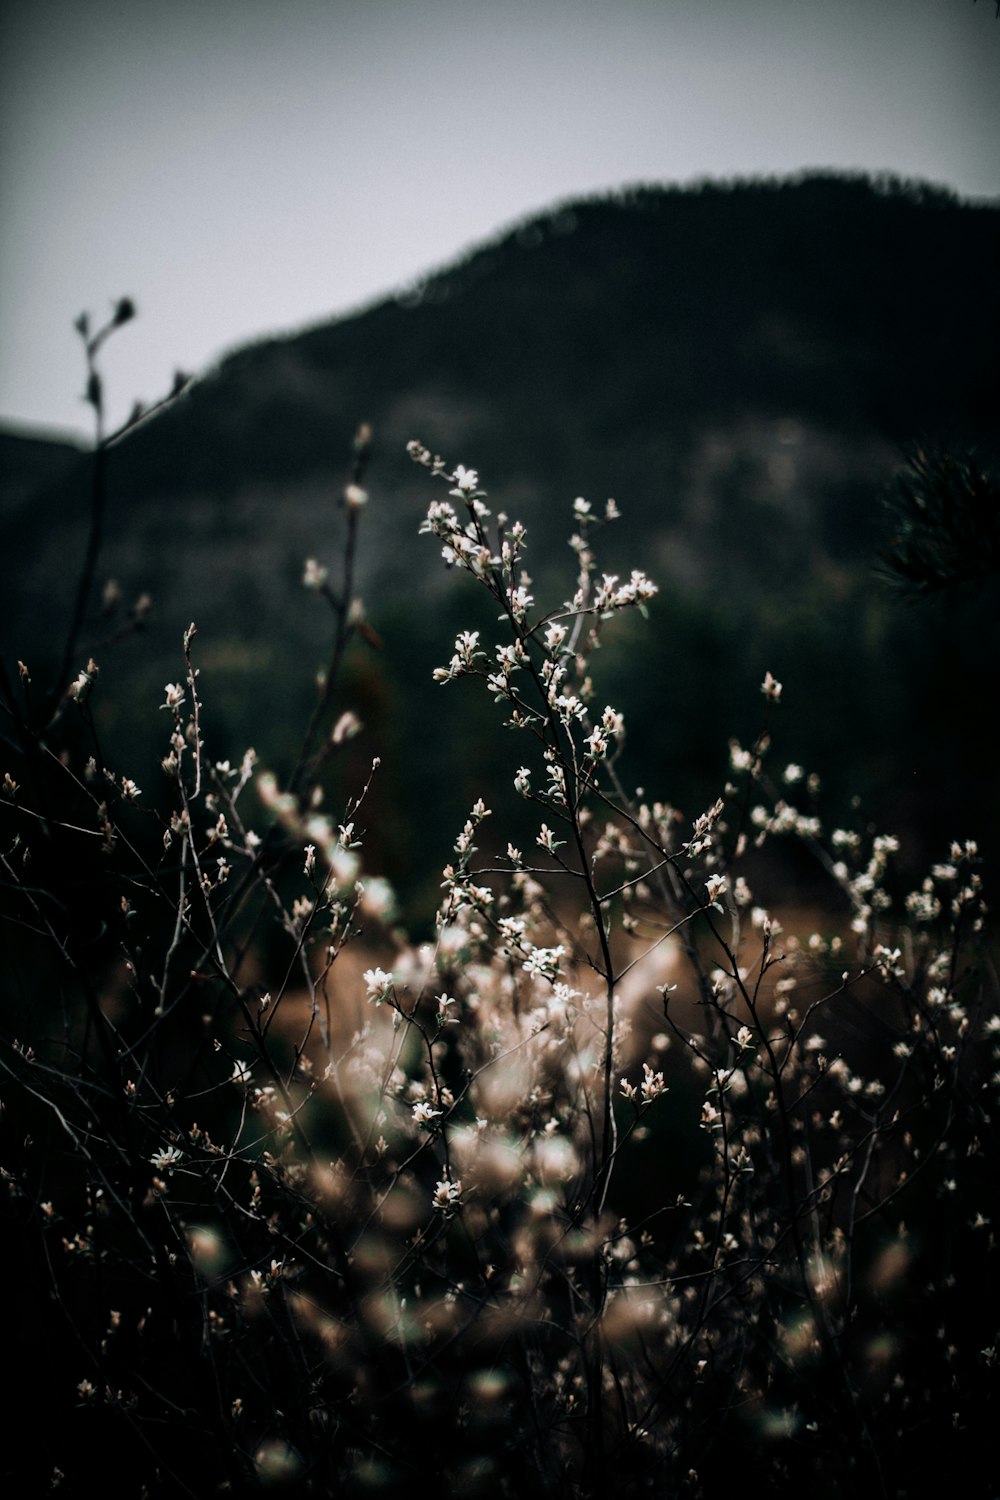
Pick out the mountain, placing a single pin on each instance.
(742, 366)
(30, 464)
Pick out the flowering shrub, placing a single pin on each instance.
(610, 1184)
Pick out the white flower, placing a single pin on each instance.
(544, 961)
(447, 1196)
(166, 1158)
(715, 885)
(636, 591)
(314, 575)
(568, 706)
(466, 480)
(378, 984)
(376, 895)
(174, 695)
(355, 497)
(923, 905)
(346, 727)
(652, 1085)
(597, 744)
(520, 602)
(444, 1018)
(424, 1113)
(770, 687)
(842, 838)
(888, 962)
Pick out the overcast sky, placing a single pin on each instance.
(241, 167)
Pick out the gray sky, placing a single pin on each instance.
(241, 167)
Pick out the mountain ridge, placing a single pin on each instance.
(741, 366)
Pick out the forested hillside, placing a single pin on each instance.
(741, 366)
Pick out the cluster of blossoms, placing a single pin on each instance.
(613, 1150)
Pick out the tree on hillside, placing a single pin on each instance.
(945, 516)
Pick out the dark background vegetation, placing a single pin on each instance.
(743, 367)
